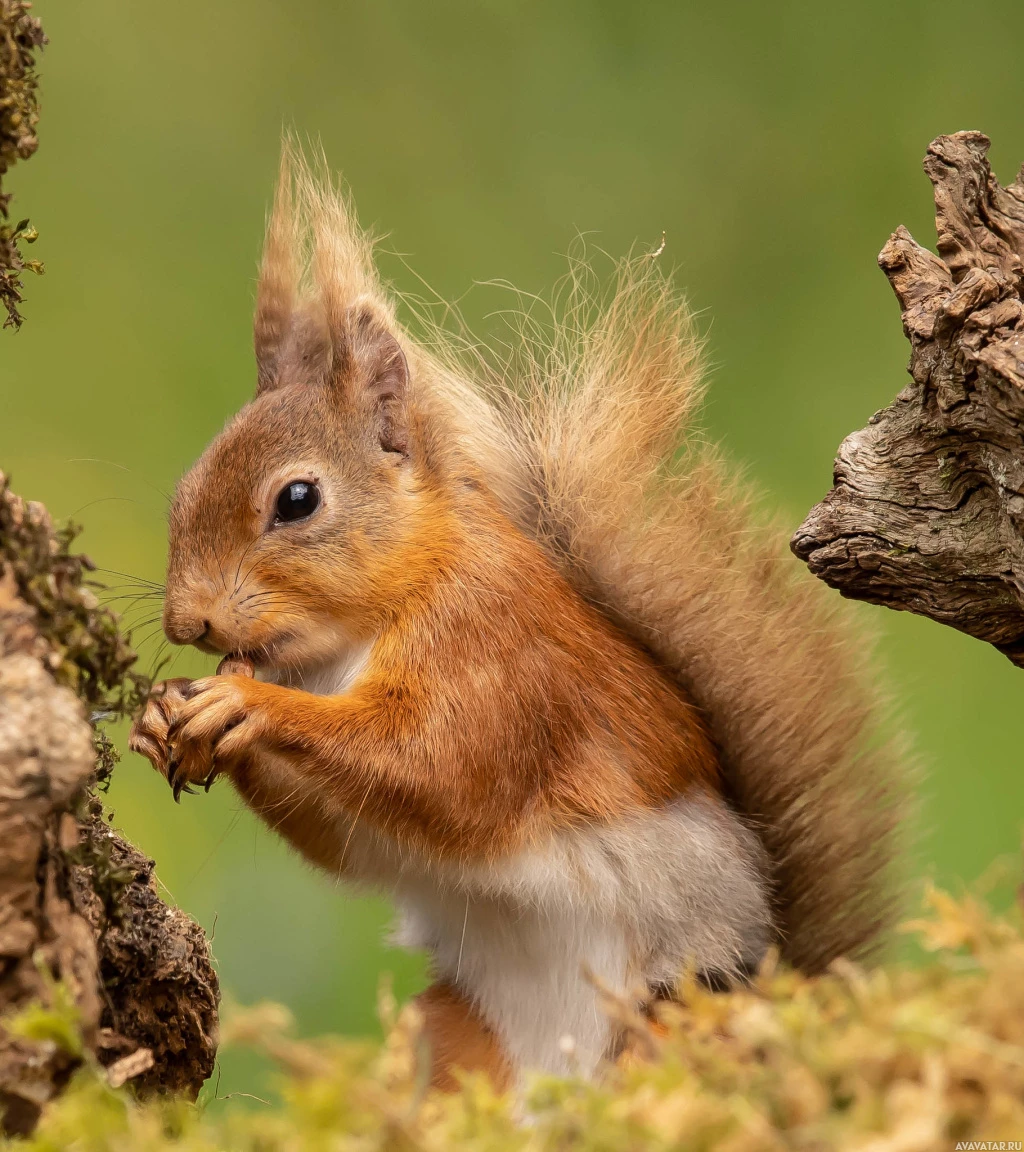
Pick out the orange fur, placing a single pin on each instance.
(459, 1038)
(536, 714)
(531, 610)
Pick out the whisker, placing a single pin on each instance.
(146, 639)
(132, 586)
(355, 820)
(249, 572)
(101, 500)
(138, 627)
(129, 615)
(260, 596)
(134, 579)
(232, 824)
(157, 659)
(238, 585)
(158, 668)
(133, 604)
(140, 603)
(120, 467)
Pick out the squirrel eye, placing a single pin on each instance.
(296, 501)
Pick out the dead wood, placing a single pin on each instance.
(927, 509)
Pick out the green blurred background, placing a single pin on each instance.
(777, 145)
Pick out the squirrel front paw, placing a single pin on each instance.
(148, 734)
(220, 723)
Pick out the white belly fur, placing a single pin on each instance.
(635, 903)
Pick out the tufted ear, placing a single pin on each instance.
(299, 352)
(370, 368)
(278, 285)
(322, 316)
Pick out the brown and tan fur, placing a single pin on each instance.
(521, 659)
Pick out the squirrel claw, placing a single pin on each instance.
(178, 783)
(179, 786)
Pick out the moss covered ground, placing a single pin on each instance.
(892, 1059)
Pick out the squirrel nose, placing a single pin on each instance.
(186, 631)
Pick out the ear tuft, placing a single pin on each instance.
(322, 316)
(375, 368)
(278, 286)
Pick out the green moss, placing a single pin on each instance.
(21, 36)
(82, 645)
(87, 651)
(55, 1025)
(923, 1057)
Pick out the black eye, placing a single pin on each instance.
(296, 501)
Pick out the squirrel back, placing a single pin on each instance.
(584, 434)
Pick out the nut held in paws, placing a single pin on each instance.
(233, 665)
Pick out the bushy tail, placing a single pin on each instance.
(646, 522)
(585, 432)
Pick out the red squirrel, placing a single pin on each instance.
(520, 661)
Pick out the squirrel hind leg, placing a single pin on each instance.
(713, 979)
(458, 1038)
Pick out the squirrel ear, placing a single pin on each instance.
(371, 367)
(272, 336)
(277, 287)
(300, 354)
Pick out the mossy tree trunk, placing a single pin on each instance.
(21, 36)
(80, 918)
(78, 904)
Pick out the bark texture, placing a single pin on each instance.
(927, 509)
(77, 903)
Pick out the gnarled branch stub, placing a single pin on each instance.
(926, 513)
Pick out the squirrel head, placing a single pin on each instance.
(287, 537)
